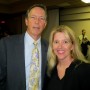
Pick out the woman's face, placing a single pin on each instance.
(62, 46)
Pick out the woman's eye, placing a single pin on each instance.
(65, 41)
(55, 41)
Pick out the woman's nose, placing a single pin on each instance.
(60, 45)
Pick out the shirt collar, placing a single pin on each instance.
(30, 40)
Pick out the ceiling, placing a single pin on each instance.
(7, 1)
(21, 5)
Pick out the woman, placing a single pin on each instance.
(67, 67)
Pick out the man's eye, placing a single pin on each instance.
(32, 17)
(42, 18)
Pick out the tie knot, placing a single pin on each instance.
(35, 43)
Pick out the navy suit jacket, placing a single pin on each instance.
(12, 62)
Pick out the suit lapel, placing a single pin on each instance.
(44, 59)
(21, 60)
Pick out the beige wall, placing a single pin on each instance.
(77, 19)
(52, 21)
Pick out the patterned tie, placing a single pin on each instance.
(34, 69)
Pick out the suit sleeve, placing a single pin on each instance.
(2, 65)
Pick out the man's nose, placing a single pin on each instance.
(37, 20)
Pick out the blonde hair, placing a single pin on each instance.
(76, 52)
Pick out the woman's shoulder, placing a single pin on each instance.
(82, 67)
(82, 72)
(81, 64)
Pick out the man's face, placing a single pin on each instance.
(36, 22)
(83, 32)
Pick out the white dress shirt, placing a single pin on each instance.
(28, 42)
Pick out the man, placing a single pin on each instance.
(84, 42)
(16, 51)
